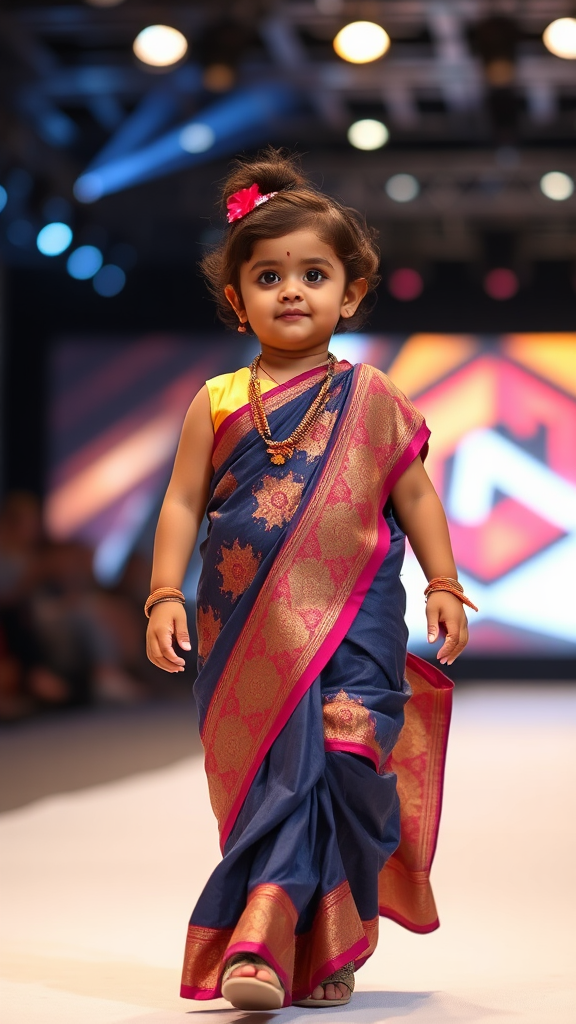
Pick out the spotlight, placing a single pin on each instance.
(501, 283)
(160, 45)
(109, 280)
(560, 38)
(368, 134)
(197, 137)
(3, 198)
(557, 185)
(84, 262)
(361, 41)
(54, 238)
(405, 284)
(402, 188)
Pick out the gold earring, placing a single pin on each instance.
(242, 328)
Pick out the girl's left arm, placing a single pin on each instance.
(419, 512)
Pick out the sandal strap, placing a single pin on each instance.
(246, 958)
(345, 975)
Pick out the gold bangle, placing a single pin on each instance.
(162, 592)
(450, 586)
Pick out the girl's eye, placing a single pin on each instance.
(313, 276)
(268, 277)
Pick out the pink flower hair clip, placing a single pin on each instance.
(245, 201)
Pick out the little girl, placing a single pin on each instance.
(311, 473)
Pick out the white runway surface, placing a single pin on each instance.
(110, 838)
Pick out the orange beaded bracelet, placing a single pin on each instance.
(451, 587)
(162, 594)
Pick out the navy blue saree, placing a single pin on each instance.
(324, 743)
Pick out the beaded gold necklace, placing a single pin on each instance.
(280, 451)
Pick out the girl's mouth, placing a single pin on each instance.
(292, 314)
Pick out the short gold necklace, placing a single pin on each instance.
(280, 451)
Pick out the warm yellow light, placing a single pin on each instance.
(560, 38)
(557, 185)
(368, 134)
(361, 42)
(160, 45)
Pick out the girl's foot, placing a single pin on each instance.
(330, 991)
(249, 983)
(335, 991)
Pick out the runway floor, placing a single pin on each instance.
(107, 837)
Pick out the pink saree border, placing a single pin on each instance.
(341, 627)
(262, 950)
(193, 992)
(418, 929)
(343, 364)
(353, 748)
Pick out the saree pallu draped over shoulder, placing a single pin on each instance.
(324, 743)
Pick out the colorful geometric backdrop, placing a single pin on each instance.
(502, 411)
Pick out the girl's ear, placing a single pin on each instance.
(235, 301)
(355, 292)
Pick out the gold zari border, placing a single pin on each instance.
(418, 760)
(204, 956)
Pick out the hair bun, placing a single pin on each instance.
(273, 170)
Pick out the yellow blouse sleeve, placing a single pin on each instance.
(229, 392)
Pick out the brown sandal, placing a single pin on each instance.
(345, 976)
(251, 993)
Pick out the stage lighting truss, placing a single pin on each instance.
(288, 86)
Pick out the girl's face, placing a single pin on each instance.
(293, 291)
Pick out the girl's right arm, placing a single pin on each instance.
(178, 524)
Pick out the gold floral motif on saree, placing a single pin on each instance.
(208, 626)
(303, 585)
(315, 441)
(277, 499)
(238, 568)
(336, 929)
(347, 720)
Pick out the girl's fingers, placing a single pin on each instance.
(161, 652)
(456, 640)
(432, 618)
(166, 649)
(181, 630)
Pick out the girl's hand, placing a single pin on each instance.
(446, 617)
(167, 621)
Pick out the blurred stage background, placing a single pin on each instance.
(452, 126)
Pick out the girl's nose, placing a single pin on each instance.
(291, 293)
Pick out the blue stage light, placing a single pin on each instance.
(54, 238)
(3, 197)
(84, 262)
(197, 137)
(109, 280)
(241, 119)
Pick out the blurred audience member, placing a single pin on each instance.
(63, 639)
